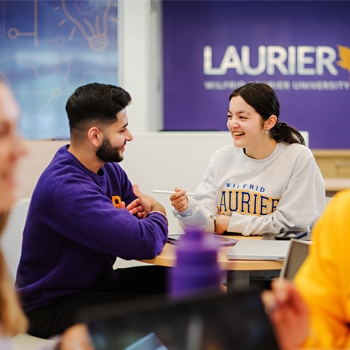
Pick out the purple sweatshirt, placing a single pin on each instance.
(74, 231)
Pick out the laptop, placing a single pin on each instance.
(208, 321)
(218, 239)
(259, 250)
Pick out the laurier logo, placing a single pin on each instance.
(293, 60)
(344, 55)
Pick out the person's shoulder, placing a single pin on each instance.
(113, 166)
(336, 214)
(61, 156)
(62, 163)
(296, 149)
(115, 170)
(63, 171)
(341, 200)
(66, 185)
(221, 154)
(226, 149)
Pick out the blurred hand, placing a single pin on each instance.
(76, 337)
(288, 312)
(179, 200)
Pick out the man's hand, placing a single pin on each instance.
(143, 204)
(179, 200)
(288, 313)
(136, 207)
(221, 223)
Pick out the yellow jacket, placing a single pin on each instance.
(324, 278)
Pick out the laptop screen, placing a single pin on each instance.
(211, 322)
(298, 252)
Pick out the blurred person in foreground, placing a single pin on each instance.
(12, 319)
(314, 311)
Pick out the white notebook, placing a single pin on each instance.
(259, 250)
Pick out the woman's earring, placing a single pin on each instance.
(266, 131)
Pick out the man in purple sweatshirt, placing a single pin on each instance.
(84, 213)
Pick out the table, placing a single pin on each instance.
(237, 270)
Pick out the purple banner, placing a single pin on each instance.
(300, 48)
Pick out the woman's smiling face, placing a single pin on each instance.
(244, 123)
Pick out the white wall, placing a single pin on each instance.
(166, 160)
(140, 61)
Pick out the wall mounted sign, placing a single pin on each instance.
(300, 48)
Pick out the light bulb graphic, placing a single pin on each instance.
(97, 39)
(14, 33)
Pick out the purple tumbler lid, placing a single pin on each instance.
(196, 245)
(196, 267)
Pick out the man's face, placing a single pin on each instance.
(115, 137)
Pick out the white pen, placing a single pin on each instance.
(172, 192)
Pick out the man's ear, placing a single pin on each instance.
(95, 136)
(270, 123)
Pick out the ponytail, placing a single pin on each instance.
(282, 132)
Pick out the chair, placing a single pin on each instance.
(12, 237)
(297, 253)
(11, 243)
(25, 341)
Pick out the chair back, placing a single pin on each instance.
(12, 237)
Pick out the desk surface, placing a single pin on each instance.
(167, 258)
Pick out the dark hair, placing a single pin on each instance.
(264, 100)
(95, 102)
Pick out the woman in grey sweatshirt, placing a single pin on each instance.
(266, 181)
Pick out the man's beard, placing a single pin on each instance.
(109, 154)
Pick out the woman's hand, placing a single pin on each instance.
(221, 223)
(179, 200)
